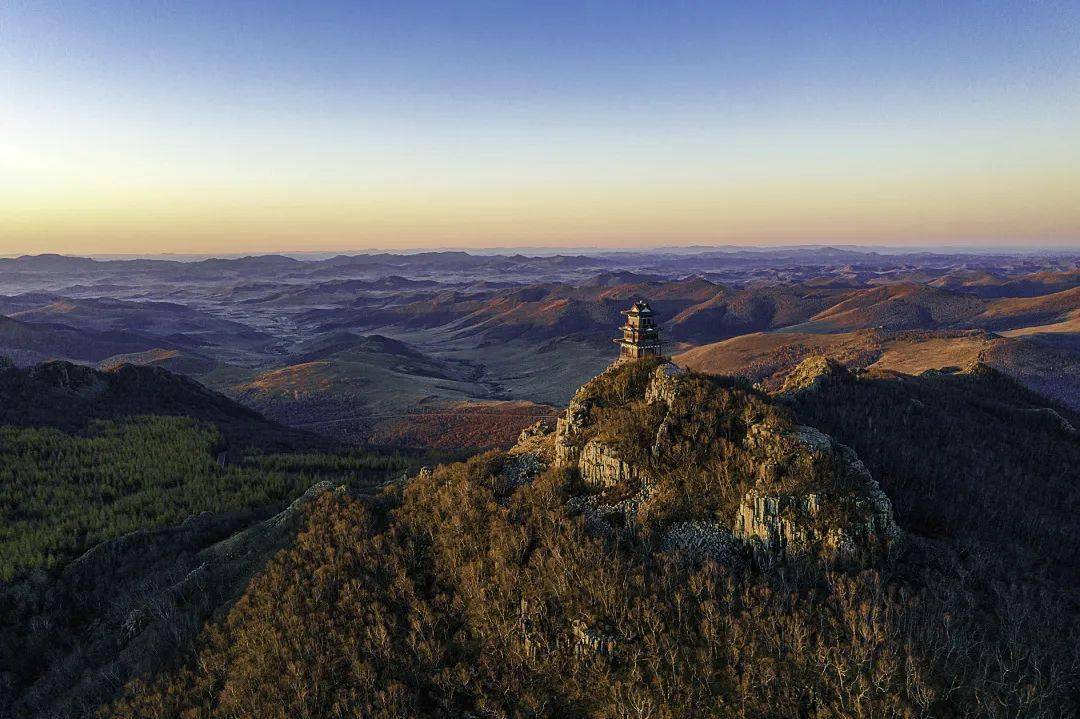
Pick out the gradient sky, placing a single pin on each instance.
(145, 126)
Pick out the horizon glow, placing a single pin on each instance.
(245, 127)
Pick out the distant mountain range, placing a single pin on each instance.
(354, 346)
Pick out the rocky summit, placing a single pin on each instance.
(770, 489)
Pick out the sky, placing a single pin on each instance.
(141, 126)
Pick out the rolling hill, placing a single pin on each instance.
(174, 360)
(29, 343)
(376, 389)
(1017, 313)
(905, 306)
(174, 324)
(732, 313)
(70, 397)
(989, 285)
(768, 357)
(278, 332)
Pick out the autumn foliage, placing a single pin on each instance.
(456, 596)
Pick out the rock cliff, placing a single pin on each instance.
(601, 466)
(568, 429)
(813, 497)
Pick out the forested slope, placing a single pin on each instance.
(106, 523)
(623, 565)
(70, 397)
(967, 455)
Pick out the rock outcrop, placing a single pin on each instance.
(801, 495)
(592, 641)
(540, 428)
(791, 526)
(699, 541)
(814, 374)
(663, 385)
(599, 463)
(568, 431)
(521, 468)
(813, 498)
(537, 440)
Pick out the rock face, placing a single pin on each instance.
(599, 463)
(601, 466)
(568, 429)
(794, 526)
(664, 385)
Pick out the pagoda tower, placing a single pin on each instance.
(640, 336)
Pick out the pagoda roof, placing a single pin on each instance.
(641, 307)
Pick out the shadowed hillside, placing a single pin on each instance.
(70, 397)
(133, 504)
(972, 456)
(29, 343)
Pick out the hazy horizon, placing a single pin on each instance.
(540, 251)
(233, 128)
